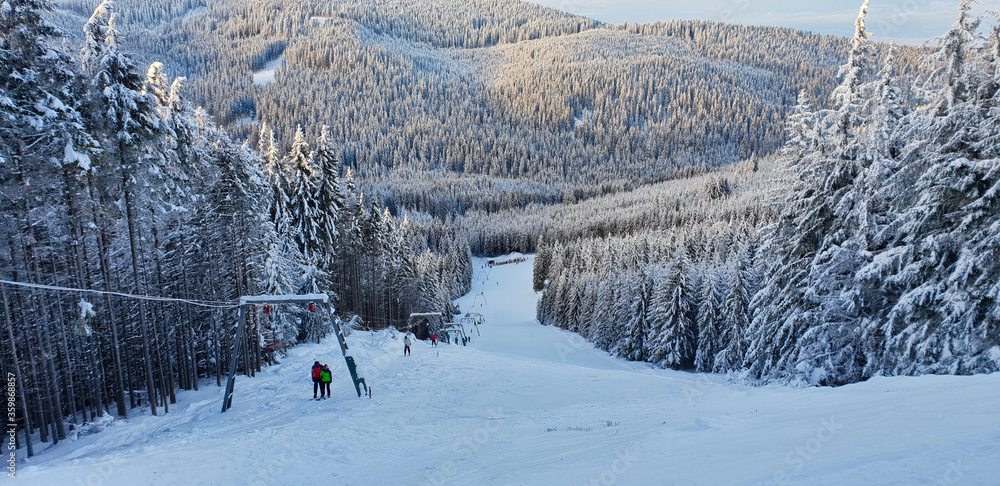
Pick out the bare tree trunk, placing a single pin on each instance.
(17, 370)
(28, 351)
(71, 389)
(102, 253)
(161, 337)
(90, 345)
(143, 325)
(217, 337)
(41, 312)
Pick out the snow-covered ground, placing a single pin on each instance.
(266, 75)
(527, 404)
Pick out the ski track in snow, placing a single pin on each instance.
(532, 405)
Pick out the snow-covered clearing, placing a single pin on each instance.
(266, 75)
(527, 404)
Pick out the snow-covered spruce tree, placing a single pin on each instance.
(303, 205)
(553, 302)
(124, 120)
(941, 257)
(572, 303)
(329, 199)
(800, 127)
(709, 323)
(989, 145)
(635, 327)
(672, 341)
(738, 337)
(801, 291)
(245, 195)
(38, 92)
(864, 212)
(611, 294)
(43, 156)
(540, 269)
(589, 309)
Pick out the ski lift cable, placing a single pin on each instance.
(211, 305)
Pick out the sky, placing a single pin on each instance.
(905, 21)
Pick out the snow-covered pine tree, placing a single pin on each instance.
(635, 327)
(944, 319)
(708, 323)
(329, 199)
(303, 206)
(800, 127)
(124, 119)
(743, 343)
(540, 268)
(673, 339)
(796, 296)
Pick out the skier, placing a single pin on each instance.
(326, 378)
(434, 339)
(406, 345)
(316, 371)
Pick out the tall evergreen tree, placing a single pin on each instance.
(125, 119)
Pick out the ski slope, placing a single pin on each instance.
(530, 405)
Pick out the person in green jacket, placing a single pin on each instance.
(325, 378)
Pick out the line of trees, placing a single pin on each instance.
(882, 255)
(111, 181)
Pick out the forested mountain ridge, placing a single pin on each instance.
(501, 89)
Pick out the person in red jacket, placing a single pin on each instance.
(434, 339)
(316, 372)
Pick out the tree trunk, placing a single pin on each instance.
(70, 388)
(17, 371)
(133, 244)
(106, 277)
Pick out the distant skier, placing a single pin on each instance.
(434, 339)
(326, 377)
(406, 345)
(317, 370)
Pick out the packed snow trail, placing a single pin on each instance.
(534, 405)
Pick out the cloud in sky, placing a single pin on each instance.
(906, 21)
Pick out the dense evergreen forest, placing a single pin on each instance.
(449, 106)
(131, 224)
(877, 254)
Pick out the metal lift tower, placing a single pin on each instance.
(227, 400)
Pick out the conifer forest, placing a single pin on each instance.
(771, 204)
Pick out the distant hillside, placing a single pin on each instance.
(502, 89)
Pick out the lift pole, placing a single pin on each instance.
(227, 399)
